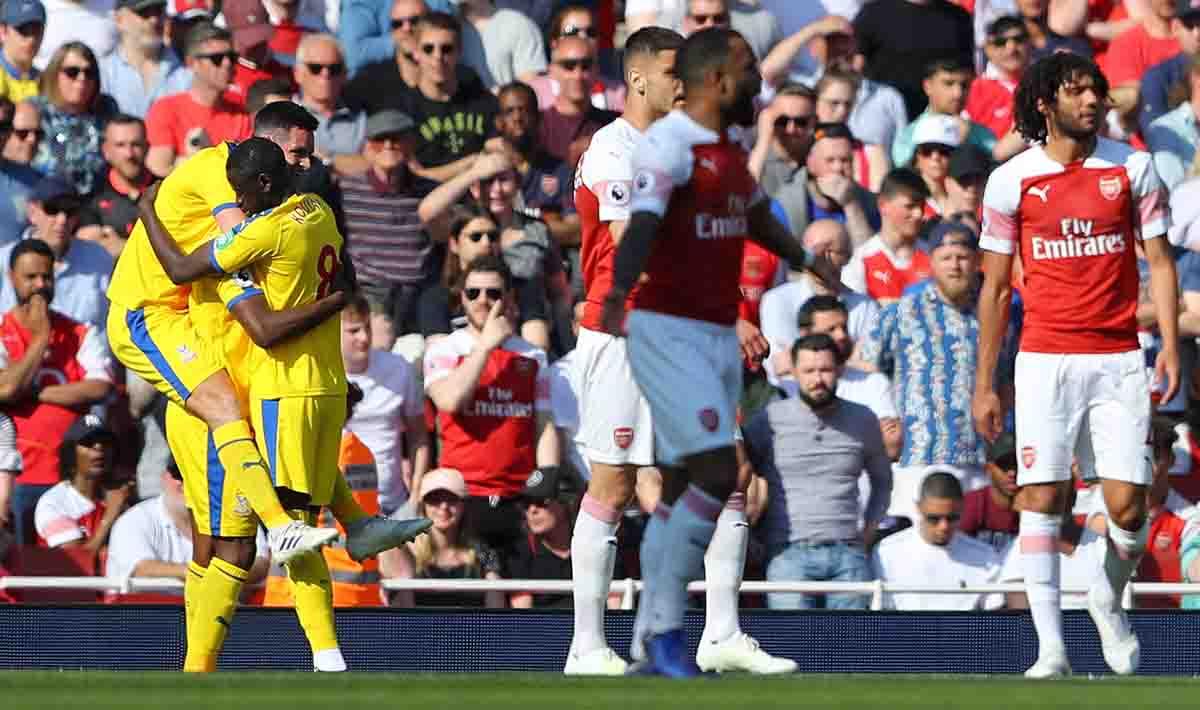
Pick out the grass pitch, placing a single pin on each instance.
(28, 690)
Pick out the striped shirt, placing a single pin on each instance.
(384, 235)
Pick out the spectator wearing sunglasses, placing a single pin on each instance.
(1008, 51)
(142, 69)
(572, 115)
(785, 134)
(22, 24)
(946, 86)
(320, 72)
(935, 552)
(89, 22)
(252, 34)
(578, 21)
(936, 137)
(988, 514)
(16, 179)
(500, 45)
(755, 23)
(367, 28)
(181, 124)
(549, 502)
(26, 133)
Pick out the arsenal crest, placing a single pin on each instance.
(1028, 457)
(709, 419)
(623, 436)
(1110, 187)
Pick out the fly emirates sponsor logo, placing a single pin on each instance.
(1077, 241)
(732, 224)
(499, 403)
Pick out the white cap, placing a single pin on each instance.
(936, 128)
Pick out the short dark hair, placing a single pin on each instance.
(521, 88)
(30, 246)
(1042, 81)
(941, 485)
(256, 95)
(440, 21)
(836, 131)
(950, 65)
(823, 303)
(204, 32)
(703, 52)
(795, 88)
(251, 158)
(816, 342)
(282, 116)
(1003, 24)
(358, 305)
(489, 264)
(649, 41)
(903, 181)
(124, 119)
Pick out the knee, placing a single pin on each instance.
(238, 551)
(613, 486)
(215, 401)
(1131, 515)
(1048, 499)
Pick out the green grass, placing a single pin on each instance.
(527, 691)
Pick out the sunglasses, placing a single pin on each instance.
(444, 48)
(491, 235)
(398, 22)
(999, 42)
(73, 72)
(1006, 463)
(219, 58)
(585, 63)
(935, 519)
(152, 12)
(436, 498)
(493, 294)
(26, 133)
(539, 502)
(574, 31)
(316, 68)
(720, 18)
(30, 29)
(800, 121)
(927, 151)
(56, 210)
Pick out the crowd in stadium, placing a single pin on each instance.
(449, 132)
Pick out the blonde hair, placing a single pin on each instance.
(48, 82)
(423, 552)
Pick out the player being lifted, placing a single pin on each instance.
(1074, 207)
(616, 429)
(694, 203)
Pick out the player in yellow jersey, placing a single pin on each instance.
(283, 258)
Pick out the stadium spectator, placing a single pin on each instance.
(781, 305)
(73, 113)
(320, 74)
(902, 58)
(367, 28)
(930, 336)
(85, 22)
(946, 85)
(22, 143)
(572, 114)
(492, 392)
(82, 508)
(383, 229)
(990, 101)
(113, 209)
(577, 21)
(836, 93)
(887, 263)
(81, 268)
(936, 137)
(1158, 83)
(1167, 527)
(390, 418)
(934, 552)
(142, 69)
(16, 180)
(472, 233)
(251, 34)
(1134, 51)
(1173, 136)
(181, 124)
(803, 55)
(399, 69)
(501, 45)
(182, 16)
(785, 135)
(988, 514)
(154, 537)
(290, 21)
(811, 450)
(549, 501)
(51, 367)
(966, 177)
(452, 549)
(1045, 39)
(265, 92)
(22, 24)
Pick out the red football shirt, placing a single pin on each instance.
(1161, 562)
(1134, 51)
(171, 118)
(760, 271)
(990, 102)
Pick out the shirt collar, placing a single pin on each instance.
(14, 72)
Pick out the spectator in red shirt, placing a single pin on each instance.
(1136, 50)
(1161, 562)
(51, 368)
(252, 34)
(181, 124)
(81, 509)
(988, 514)
(991, 99)
(573, 68)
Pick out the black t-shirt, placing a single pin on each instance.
(434, 316)
(530, 559)
(110, 208)
(899, 39)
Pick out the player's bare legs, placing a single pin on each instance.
(1042, 507)
(1128, 530)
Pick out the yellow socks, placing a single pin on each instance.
(243, 464)
(212, 615)
(191, 597)
(344, 505)
(312, 590)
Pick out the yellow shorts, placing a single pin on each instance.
(162, 347)
(300, 438)
(211, 495)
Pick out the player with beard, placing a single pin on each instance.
(1072, 206)
(694, 204)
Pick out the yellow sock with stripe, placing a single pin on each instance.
(215, 606)
(235, 447)
(312, 589)
(191, 597)
(345, 506)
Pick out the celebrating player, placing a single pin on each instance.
(616, 431)
(694, 203)
(1074, 207)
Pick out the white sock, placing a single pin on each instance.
(593, 554)
(689, 531)
(650, 555)
(329, 661)
(724, 565)
(1039, 557)
(1122, 553)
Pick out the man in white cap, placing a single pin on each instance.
(947, 84)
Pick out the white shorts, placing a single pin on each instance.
(1093, 407)
(614, 417)
(691, 374)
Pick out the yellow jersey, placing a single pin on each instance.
(16, 88)
(187, 203)
(290, 254)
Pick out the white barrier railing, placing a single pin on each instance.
(627, 588)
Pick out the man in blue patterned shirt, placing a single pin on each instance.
(926, 342)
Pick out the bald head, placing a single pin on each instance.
(825, 234)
